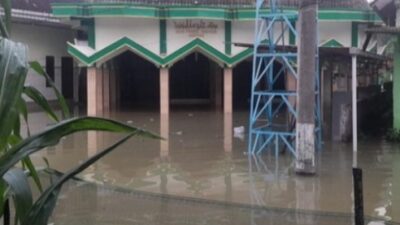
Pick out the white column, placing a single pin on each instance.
(228, 90)
(99, 91)
(113, 89)
(354, 104)
(106, 89)
(91, 87)
(164, 91)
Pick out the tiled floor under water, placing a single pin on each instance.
(203, 158)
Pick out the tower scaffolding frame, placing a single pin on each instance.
(273, 112)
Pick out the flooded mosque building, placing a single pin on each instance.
(46, 35)
(162, 55)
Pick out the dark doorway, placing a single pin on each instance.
(190, 80)
(67, 77)
(242, 85)
(138, 82)
(242, 79)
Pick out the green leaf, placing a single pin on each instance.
(23, 110)
(39, 99)
(32, 172)
(61, 100)
(43, 207)
(20, 191)
(13, 70)
(52, 135)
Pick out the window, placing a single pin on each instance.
(50, 70)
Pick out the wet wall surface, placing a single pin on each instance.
(204, 158)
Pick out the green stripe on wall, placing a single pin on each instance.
(354, 34)
(197, 43)
(89, 23)
(228, 37)
(112, 9)
(163, 36)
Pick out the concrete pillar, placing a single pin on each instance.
(106, 89)
(228, 92)
(164, 90)
(354, 103)
(99, 92)
(92, 93)
(113, 89)
(305, 124)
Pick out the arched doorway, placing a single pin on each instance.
(194, 82)
(137, 82)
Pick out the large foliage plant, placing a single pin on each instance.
(16, 168)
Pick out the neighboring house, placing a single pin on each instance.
(45, 35)
(386, 9)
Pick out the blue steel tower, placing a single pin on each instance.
(273, 92)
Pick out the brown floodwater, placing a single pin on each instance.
(203, 159)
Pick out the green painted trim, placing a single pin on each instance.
(332, 43)
(163, 36)
(89, 23)
(354, 34)
(196, 44)
(292, 36)
(228, 37)
(199, 12)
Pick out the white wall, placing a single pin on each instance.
(242, 32)
(43, 41)
(145, 32)
(177, 40)
(340, 31)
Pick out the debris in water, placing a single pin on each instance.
(376, 223)
(239, 129)
(179, 133)
(238, 132)
(151, 120)
(190, 114)
(381, 211)
(129, 121)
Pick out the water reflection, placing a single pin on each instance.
(164, 132)
(228, 132)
